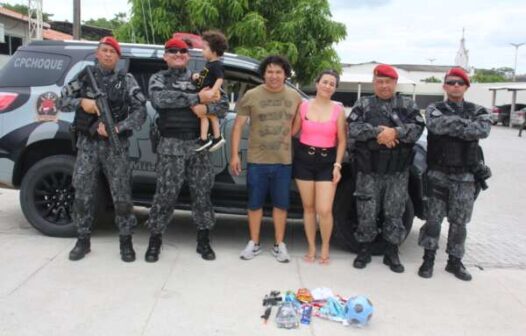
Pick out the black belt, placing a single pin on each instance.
(452, 169)
(186, 136)
(312, 150)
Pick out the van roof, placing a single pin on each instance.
(137, 50)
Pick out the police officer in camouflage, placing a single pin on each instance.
(177, 101)
(94, 151)
(384, 128)
(453, 155)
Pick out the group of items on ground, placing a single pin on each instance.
(295, 308)
(383, 128)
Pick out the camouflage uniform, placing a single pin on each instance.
(94, 153)
(383, 188)
(177, 160)
(452, 194)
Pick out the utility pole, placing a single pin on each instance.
(76, 19)
(34, 14)
(517, 46)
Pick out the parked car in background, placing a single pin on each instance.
(518, 117)
(501, 113)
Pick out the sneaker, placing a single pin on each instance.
(281, 253)
(251, 250)
(203, 144)
(217, 143)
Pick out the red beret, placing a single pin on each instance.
(175, 42)
(459, 72)
(111, 41)
(384, 70)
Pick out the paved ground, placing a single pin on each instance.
(43, 293)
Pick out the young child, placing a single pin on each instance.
(214, 45)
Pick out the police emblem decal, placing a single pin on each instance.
(47, 107)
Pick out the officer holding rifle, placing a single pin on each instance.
(108, 105)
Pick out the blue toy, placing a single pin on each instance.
(358, 311)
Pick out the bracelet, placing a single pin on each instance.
(336, 164)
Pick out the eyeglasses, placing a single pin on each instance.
(456, 81)
(176, 50)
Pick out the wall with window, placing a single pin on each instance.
(15, 35)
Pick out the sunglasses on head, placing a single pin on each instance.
(455, 81)
(176, 50)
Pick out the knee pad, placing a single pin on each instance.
(122, 208)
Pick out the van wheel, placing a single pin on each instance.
(46, 196)
(346, 221)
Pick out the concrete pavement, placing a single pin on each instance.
(43, 293)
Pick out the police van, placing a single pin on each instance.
(36, 153)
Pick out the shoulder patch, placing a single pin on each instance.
(436, 113)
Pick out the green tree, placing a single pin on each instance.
(431, 79)
(493, 75)
(118, 20)
(302, 30)
(23, 9)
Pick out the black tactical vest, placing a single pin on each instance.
(452, 155)
(178, 122)
(116, 93)
(371, 157)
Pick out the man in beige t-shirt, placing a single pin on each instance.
(271, 108)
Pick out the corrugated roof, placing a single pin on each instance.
(50, 34)
(510, 87)
(424, 67)
(408, 67)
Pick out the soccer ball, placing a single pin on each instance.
(358, 310)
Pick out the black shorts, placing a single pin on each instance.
(313, 163)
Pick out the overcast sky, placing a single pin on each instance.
(396, 31)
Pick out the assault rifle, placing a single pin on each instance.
(105, 113)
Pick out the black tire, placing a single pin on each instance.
(345, 219)
(46, 196)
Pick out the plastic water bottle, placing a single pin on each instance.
(306, 314)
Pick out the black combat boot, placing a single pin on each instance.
(127, 252)
(426, 270)
(455, 266)
(363, 257)
(392, 260)
(82, 247)
(154, 248)
(203, 245)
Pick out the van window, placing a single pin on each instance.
(143, 69)
(28, 68)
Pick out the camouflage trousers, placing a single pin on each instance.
(92, 156)
(386, 193)
(453, 199)
(173, 169)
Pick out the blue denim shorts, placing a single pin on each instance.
(265, 178)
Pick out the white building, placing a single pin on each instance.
(14, 32)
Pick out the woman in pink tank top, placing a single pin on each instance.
(317, 161)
